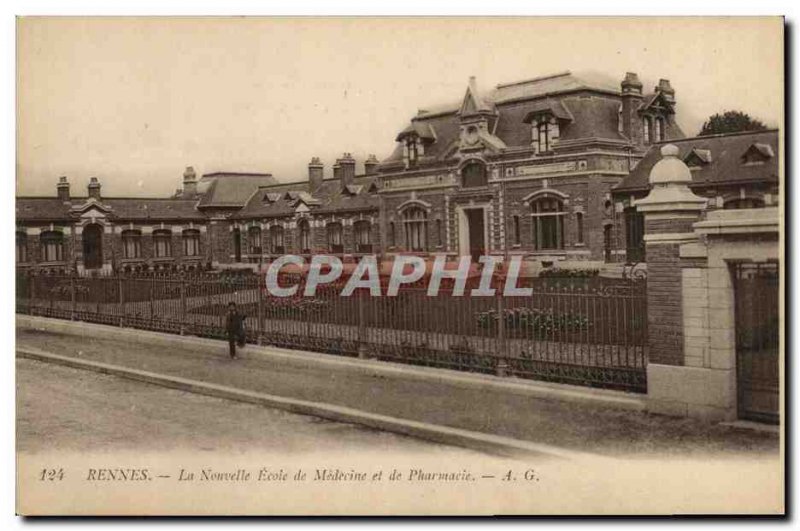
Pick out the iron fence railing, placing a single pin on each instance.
(583, 331)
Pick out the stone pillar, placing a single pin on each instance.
(669, 211)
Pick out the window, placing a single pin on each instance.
(52, 246)
(440, 232)
(305, 236)
(548, 226)
(335, 238)
(361, 229)
(545, 134)
(659, 130)
(634, 235)
(162, 243)
(744, 202)
(579, 223)
(191, 242)
(392, 235)
(516, 230)
(254, 239)
(473, 175)
(22, 247)
(131, 244)
(276, 239)
(416, 223)
(412, 150)
(646, 124)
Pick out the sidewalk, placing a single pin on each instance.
(574, 426)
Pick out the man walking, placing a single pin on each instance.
(234, 326)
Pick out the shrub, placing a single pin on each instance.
(539, 322)
(569, 273)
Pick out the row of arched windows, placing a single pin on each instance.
(652, 129)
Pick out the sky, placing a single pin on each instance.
(133, 101)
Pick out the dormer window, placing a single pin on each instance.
(647, 124)
(545, 133)
(412, 149)
(757, 154)
(659, 129)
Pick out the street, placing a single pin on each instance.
(64, 409)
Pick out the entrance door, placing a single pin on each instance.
(477, 242)
(757, 359)
(93, 246)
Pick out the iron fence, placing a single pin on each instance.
(583, 331)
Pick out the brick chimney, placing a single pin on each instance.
(666, 89)
(62, 189)
(348, 168)
(94, 188)
(189, 182)
(631, 99)
(371, 165)
(315, 174)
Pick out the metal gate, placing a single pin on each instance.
(756, 293)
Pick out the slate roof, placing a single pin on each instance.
(52, 209)
(331, 196)
(514, 103)
(231, 190)
(724, 165)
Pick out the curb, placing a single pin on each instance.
(493, 444)
(299, 358)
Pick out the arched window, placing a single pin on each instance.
(191, 242)
(131, 244)
(22, 247)
(162, 243)
(743, 202)
(579, 226)
(335, 243)
(439, 232)
(548, 223)
(415, 220)
(254, 239)
(52, 242)
(361, 228)
(276, 239)
(305, 236)
(659, 129)
(646, 126)
(515, 227)
(473, 175)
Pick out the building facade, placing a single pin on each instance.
(732, 171)
(545, 168)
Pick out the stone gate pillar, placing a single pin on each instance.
(669, 212)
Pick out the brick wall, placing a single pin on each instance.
(664, 311)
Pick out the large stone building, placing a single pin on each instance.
(538, 168)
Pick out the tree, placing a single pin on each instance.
(730, 122)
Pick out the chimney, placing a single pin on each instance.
(631, 99)
(371, 165)
(337, 171)
(94, 188)
(63, 189)
(348, 168)
(189, 182)
(315, 174)
(666, 89)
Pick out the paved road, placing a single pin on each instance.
(60, 408)
(570, 426)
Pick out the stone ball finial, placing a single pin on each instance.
(670, 169)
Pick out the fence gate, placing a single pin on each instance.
(757, 356)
